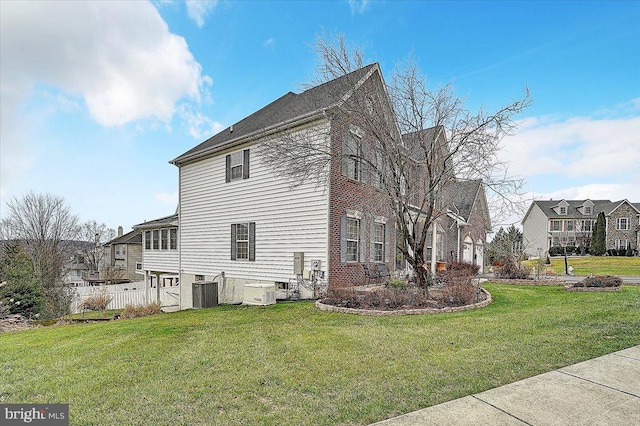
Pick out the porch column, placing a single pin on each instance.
(158, 288)
(147, 287)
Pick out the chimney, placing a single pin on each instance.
(119, 231)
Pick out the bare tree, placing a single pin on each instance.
(45, 226)
(96, 235)
(417, 144)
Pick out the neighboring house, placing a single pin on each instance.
(556, 222)
(239, 222)
(122, 258)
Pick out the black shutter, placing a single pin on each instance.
(228, 169)
(233, 241)
(361, 244)
(245, 164)
(252, 240)
(387, 242)
(372, 242)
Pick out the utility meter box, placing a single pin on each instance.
(315, 265)
(298, 262)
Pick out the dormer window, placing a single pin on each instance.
(563, 211)
(587, 210)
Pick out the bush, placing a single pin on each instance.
(600, 281)
(629, 251)
(459, 294)
(95, 302)
(469, 268)
(22, 297)
(397, 284)
(512, 271)
(556, 251)
(131, 311)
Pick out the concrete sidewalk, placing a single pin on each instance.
(601, 391)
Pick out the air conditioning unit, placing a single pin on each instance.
(259, 294)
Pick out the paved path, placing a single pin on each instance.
(601, 391)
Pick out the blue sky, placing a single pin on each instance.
(98, 97)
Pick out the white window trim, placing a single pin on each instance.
(357, 240)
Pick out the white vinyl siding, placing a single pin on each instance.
(287, 220)
(535, 230)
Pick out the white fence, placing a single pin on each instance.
(133, 295)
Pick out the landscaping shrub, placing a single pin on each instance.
(131, 311)
(600, 281)
(629, 252)
(469, 268)
(397, 284)
(459, 293)
(556, 251)
(385, 298)
(512, 271)
(95, 302)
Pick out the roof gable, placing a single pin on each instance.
(288, 108)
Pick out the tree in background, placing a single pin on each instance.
(506, 245)
(418, 146)
(46, 229)
(599, 235)
(96, 234)
(20, 291)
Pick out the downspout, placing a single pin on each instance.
(458, 253)
(434, 240)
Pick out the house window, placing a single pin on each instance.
(622, 244)
(163, 239)
(378, 242)
(237, 166)
(173, 239)
(587, 210)
(156, 239)
(556, 225)
(569, 225)
(563, 211)
(353, 239)
(147, 240)
(586, 225)
(352, 156)
(138, 266)
(243, 241)
(622, 224)
(199, 277)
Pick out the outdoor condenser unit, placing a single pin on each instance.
(259, 294)
(205, 294)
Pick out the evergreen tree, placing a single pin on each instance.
(20, 290)
(598, 239)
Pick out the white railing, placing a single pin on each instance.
(169, 296)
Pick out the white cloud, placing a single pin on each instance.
(166, 198)
(579, 147)
(268, 42)
(198, 125)
(119, 57)
(199, 10)
(358, 6)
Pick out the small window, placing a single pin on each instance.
(352, 157)
(164, 243)
(622, 224)
(199, 277)
(563, 211)
(138, 266)
(173, 239)
(243, 241)
(147, 240)
(237, 165)
(378, 242)
(587, 210)
(353, 239)
(156, 239)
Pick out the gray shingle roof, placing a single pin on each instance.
(158, 223)
(463, 196)
(286, 108)
(412, 141)
(132, 237)
(547, 206)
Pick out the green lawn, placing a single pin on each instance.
(292, 364)
(597, 265)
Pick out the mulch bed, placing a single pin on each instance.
(16, 323)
